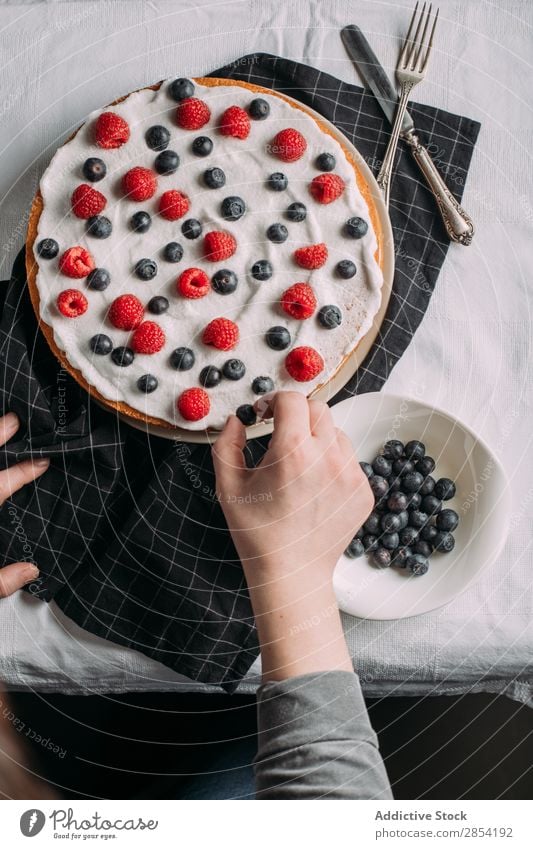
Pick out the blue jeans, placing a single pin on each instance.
(229, 775)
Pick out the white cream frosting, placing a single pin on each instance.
(254, 305)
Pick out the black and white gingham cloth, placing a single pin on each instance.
(126, 528)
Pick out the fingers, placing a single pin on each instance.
(17, 476)
(290, 411)
(321, 421)
(9, 424)
(15, 576)
(227, 450)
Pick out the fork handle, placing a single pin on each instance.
(458, 224)
(385, 172)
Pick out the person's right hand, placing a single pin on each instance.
(16, 575)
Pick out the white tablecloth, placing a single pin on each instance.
(471, 354)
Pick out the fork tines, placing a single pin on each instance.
(415, 54)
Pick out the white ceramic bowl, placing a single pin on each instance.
(482, 501)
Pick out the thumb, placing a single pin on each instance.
(15, 576)
(228, 458)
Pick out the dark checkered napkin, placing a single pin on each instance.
(125, 527)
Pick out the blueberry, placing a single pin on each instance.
(404, 519)
(278, 338)
(191, 228)
(157, 137)
(346, 269)
(202, 146)
(101, 344)
(277, 233)
(325, 162)
(259, 109)
(329, 316)
(393, 449)
(428, 485)
(367, 469)
(355, 548)
(370, 542)
(417, 565)
(94, 169)
(246, 414)
(234, 369)
(48, 248)
(224, 281)
(423, 548)
(210, 376)
(417, 519)
(146, 269)
(415, 450)
(158, 305)
(373, 523)
(296, 212)
(214, 178)
(397, 502)
(262, 270)
(425, 466)
(232, 208)
(99, 226)
(415, 500)
(412, 481)
(166, 162)
(395, 484)
(444, 542)
(381, 557)
(122, 356)
(391, 523)
(98, 279)
(262, 384)
(431, 505)
(180, 89)
(277, 182)
(408, 536)
(447, 520)
(444, 489)
(182, 359)
(378, 485)
(400, 556)
(147, 383)
(390, 541)
(382, 467)
(173, 252)
(356, 228)
(428, 533)
(140, 222)
(402, 466)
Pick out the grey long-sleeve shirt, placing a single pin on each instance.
(316, 741)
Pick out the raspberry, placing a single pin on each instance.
(139, 183)
(194, 404)
(193, 283)
(76, 262)
(303, 363)
(148, 338)
(72, 303)
(111, 130)
(86, 201)
(126, 312)
(173, 205)
(326, 187)
(192, 113)
(235, 122)
(299, 301)
(289, 145)
(312, 257)
(221, 333)
(219, 245)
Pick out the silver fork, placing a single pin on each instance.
(410, 70)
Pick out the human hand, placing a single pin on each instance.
(16, 575)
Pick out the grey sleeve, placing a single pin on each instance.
(316, 741)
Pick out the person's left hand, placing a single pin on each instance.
(16, 575)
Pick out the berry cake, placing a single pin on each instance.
(198, 244)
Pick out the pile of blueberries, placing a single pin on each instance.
(408, 522)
